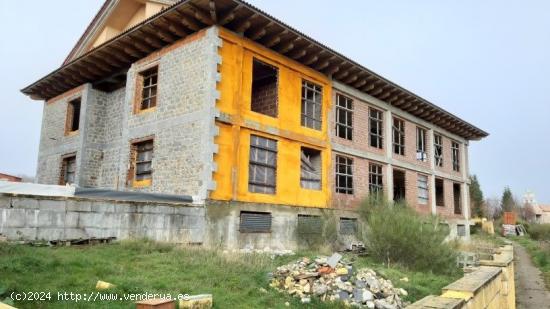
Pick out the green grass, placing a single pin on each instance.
(138, 267)
(540, 254)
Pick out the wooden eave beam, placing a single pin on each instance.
(188, 21)
(342, 74)
(285, 47)
(228, 16)
(213, 11)
(201, 15)
(310, 59)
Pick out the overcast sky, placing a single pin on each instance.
(486, 61)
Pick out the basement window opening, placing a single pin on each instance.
(309, 225)
(344, 175)
(398, 136)
(422, 187)
(438, 150)
(461, 230)
(348, 226)
(310, 169)
(262, 167)
(149, 89)
(312, 95)
(375, 179)
(376, 128)
(439, 192)
(265, 95)
(73, 116)
(68, 170)
(344, 117)
(455, 150)
(421, 154)
(255, 222)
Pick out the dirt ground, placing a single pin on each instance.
(530, 290)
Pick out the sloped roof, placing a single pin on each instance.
(189, 16)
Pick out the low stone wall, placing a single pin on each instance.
(489, 286)
(26, 217)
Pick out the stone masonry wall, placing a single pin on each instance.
(182, 124)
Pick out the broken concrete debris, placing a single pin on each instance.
(335, 279)
(102, 285)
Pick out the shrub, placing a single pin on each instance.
(539, 231)
(397, 234)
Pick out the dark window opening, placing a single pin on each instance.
(265, 95)
(455, 151)
(376, 185)
(421, 153)
(310, 169)
(439, 192)
(376, 124)
(348, 226)
(457, 199)
(438, 150)
(398, 136)
(144, 159)
(73, 115)
(344, 117)
(255, 222)
(399, 188)
(68, 170)
(312, 98)
(344, 175)
(262, 169)
(149, 88)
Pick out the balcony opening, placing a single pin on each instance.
(264, 89)
(457, 199)
(398, 185)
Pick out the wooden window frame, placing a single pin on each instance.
(347, 164)
(438, 150)
(419, 185)
(455, 156)
(376, 178)
(63, 169)
(421, 144)
(398, 128)
(134, 153)
(313, 105)
(344, 109)
(144, 85)
(253, 164)
(376, 128)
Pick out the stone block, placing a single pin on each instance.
(5, 201)
(51, 219)
(50, 234)
(52, 205)
(71, 219)
(14, 217)
(32, 217)
(75, 233)
(124, 208)
(23, 233)
(76, 205)
(103, 206)
(23, 202)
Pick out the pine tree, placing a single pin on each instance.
(476, 198)
(507, 201)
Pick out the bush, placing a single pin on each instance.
(539, 231)
(397, 234)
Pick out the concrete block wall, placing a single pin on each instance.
(65, 218)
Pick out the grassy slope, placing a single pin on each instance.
(539, 253)
(138, 267)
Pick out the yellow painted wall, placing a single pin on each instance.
(232, 159)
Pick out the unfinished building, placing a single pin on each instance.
(257, 122)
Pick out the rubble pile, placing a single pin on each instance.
(333, 279)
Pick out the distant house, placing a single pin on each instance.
(542, 213)
(7, 177)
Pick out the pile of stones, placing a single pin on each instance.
(335, 279)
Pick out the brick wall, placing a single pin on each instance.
(264, 98)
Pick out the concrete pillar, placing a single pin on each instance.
(388, 138)
(433, 203)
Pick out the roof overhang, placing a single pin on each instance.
(186, 17)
